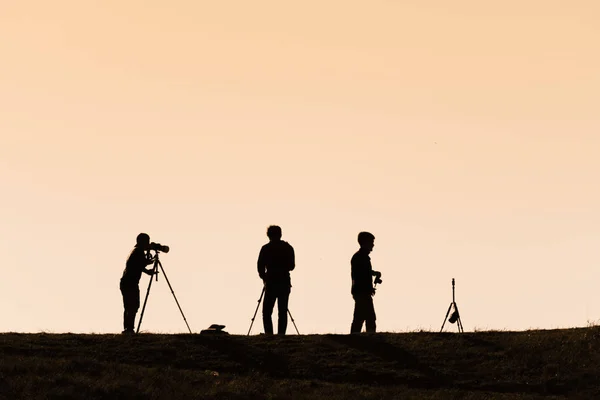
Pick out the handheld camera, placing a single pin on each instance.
(377, 278)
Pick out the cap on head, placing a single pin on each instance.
(274, 232)
(142, 239)
(365, 237)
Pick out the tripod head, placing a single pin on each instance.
(156, 262)
(153, 255)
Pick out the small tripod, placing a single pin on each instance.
(258, 305)
(157, 264)
(455, 317)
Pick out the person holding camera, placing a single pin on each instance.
(275, 261)
(136, 264)
(362, 285)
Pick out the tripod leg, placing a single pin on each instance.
(293, 322)
(446, 317)
(175, 297)
(147, 294)
(459, 321)
(255, 311)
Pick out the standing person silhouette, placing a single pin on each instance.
(136, 264)
(275, 261)
(362, 285)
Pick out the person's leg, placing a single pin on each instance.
(359, 314)
(129, 319)
(282, 307)
(125, 309)
(268, 304)
(370, 316)
(135, 305)
(129, 304)
(131, 301)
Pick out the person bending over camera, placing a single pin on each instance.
(136, 264)
(362, 285)
(275, 261)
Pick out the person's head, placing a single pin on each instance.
(366, 240)
(142, 240)
(274, 232)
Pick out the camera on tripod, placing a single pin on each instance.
(154, 276)
(158, 247)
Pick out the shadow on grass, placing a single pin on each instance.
(410, 371)
(413, 373)
(253, 359)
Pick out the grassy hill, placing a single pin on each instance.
(485, 365)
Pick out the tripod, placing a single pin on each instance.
(455, 317)
(258, 305)
(157, 264)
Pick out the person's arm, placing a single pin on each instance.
(353, 269)
(376, 274)
(142, 260)
(292, 259)
(359, 273)
(260, 264)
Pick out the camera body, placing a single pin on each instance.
(377, 277)
(158, 247)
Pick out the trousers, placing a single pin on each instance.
(364, 311)
(131, 305)
(281, 294)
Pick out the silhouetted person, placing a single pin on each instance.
(362, 284)
(275, 261)
(136, 264)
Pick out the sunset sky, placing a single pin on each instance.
(464, 135)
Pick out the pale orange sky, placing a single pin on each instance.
(464, 135)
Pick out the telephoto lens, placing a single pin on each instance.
(159, 247)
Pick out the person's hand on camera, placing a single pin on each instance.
(149, 258)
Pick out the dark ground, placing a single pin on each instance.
(486, 365)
